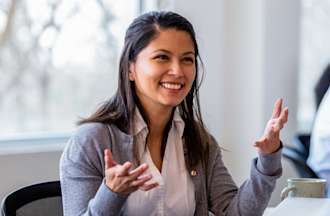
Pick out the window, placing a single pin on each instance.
(58, 60)
(315, 56)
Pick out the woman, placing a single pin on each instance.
(147, 152)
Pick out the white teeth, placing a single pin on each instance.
(171, 86)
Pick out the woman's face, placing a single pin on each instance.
(164, 70)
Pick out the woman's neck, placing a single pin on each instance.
(157, 121)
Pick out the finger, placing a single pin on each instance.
(109, 162)
(286, 114)
(277, 127)
(277, 108)
(141, 181)
(123, 169)
(281, 120)
(138, 171)
(148, 187)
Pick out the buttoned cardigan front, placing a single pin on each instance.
(85, 193)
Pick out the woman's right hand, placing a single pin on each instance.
(120, 180)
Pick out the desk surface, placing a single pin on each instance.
(269, 211)
(301, 207)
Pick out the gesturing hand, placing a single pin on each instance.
(120, 180)
(270, 141)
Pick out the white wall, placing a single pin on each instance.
(22, 169)
(242, 81)
(281, 38)
(250, 51)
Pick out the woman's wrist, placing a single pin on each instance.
(270, 164)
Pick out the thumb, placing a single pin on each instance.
(260, 142)
(109, 162)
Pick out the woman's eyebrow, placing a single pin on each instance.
(169, 52)
(161, 50)
(188, 53)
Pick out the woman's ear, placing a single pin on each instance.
(131, 72)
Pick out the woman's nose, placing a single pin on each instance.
(176, 68)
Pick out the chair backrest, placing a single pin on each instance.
(38, 199)
(298, 155)
(302, 142)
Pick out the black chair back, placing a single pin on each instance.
(298, 155)
(38, 199)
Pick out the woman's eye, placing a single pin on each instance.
(188, 59)
(162, 57)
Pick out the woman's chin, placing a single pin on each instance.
(172, 104)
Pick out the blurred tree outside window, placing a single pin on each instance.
(59, 60)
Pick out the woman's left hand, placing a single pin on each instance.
(270, 141)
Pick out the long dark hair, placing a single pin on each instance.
(119, 110)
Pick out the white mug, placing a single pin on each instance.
(304, 187)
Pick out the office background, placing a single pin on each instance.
(253, 54)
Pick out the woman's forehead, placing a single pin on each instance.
(172, 40)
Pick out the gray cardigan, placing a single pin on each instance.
(85, 193)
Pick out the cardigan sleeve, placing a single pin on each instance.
(82, 178)
(252, 197)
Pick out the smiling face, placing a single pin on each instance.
(164, 71)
